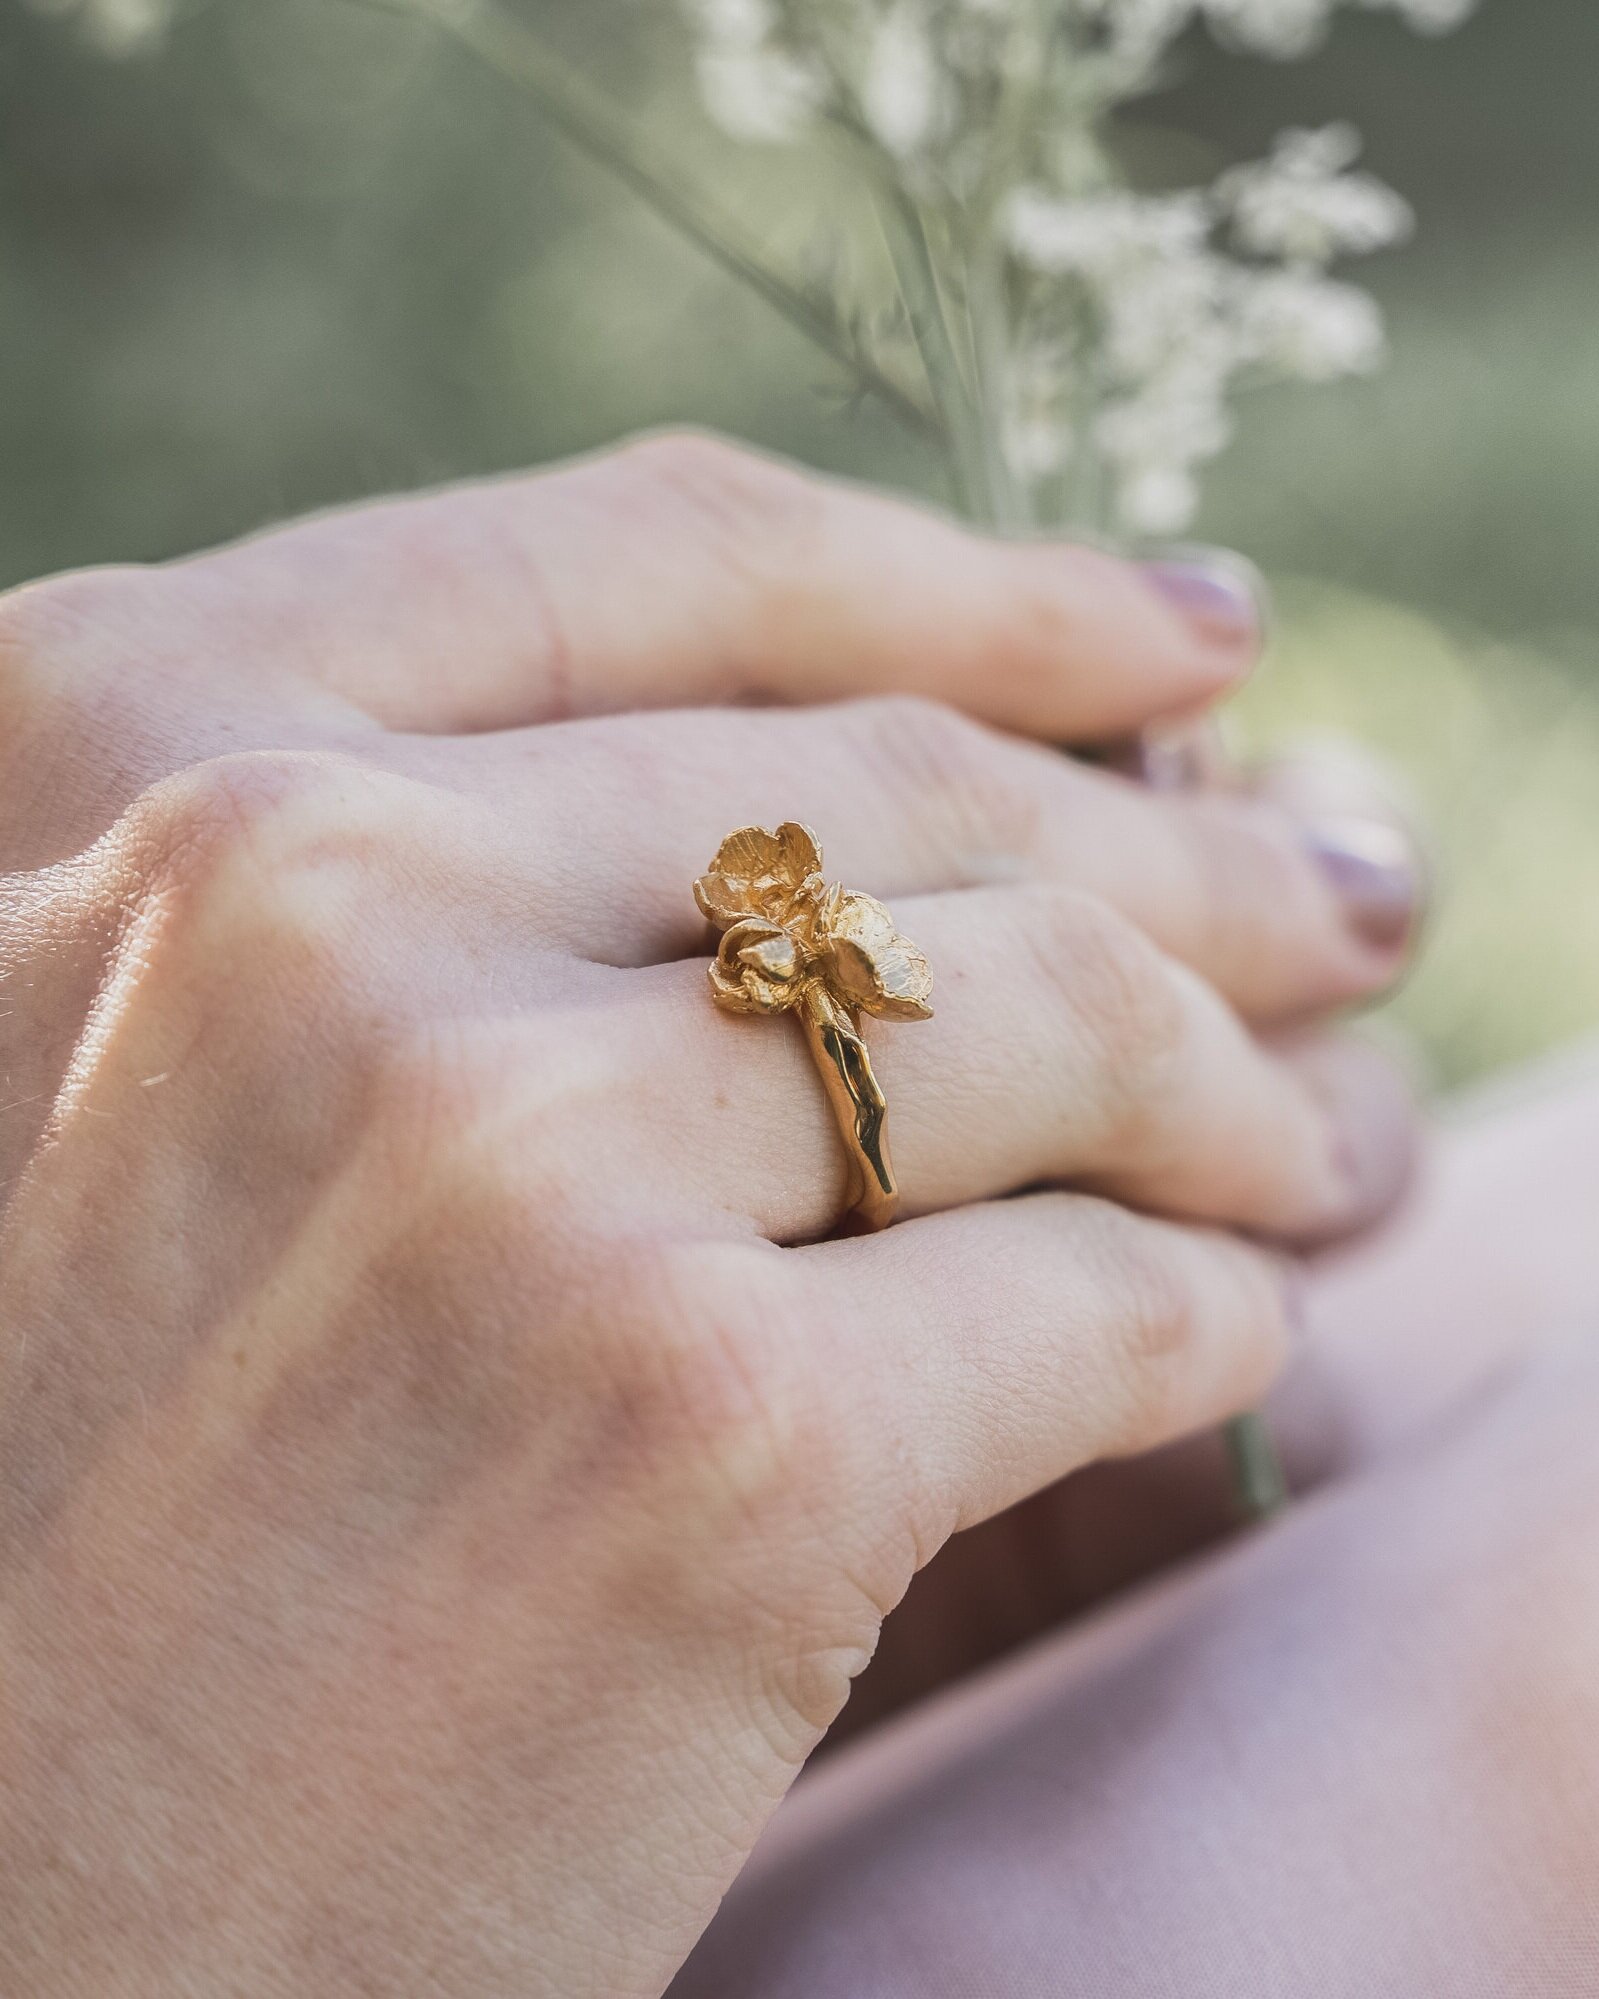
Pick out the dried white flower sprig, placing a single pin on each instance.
(1072, 343)
(1080, 340)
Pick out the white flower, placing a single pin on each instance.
(752, 86)
(1157, 501)
(1099, 233)
(1036, 447)
(1154, 438)
(1138, 31)
(902, 92)
(1159, 310)
(758, 94)
(1429, 17)
(1304, 206)
(1309, 328)
(1114, 323)
(1179, 418)
(747, 23)
(1036, 436)
(1280, 28)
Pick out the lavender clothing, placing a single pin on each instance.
(1355, 1756)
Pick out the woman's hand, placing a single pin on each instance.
(443, 1502)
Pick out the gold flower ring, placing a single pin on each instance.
(793, 943)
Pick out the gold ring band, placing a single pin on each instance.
(793, 943)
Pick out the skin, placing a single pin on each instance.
(450, 1482)
(1392, 1690)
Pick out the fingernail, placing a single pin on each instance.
(1373, 870)
(1220, 595)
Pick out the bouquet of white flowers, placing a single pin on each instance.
(1071, 341)
(1078, 338)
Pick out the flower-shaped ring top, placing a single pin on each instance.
(791, 942)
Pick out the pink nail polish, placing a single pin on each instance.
(1221, 596)
(1373, 869)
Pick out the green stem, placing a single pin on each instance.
(1011, 507)
(590, 123)
(916, 270)
(1258, 1482)
(991, 312)
(922, 292)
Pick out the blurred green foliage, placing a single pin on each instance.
(307, 251)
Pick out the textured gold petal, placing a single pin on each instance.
(775, 958)
(771, 995)
(748, 933)
(756, 873)
(802, 851)
(724, 900)
(870, 965)
(730, 993)
(757, 968)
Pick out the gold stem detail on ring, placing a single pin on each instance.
(857, 1102)
(791, 942)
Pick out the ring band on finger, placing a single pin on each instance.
(793, 943)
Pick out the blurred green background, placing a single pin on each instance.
(301, 251)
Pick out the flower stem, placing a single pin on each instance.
(590, 123)
(1010, 501)
(857, 1102)
(1259, 1486)
(916, 272)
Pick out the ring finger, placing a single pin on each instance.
(1065, 1049)
(1285, 918)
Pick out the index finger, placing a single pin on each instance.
(682, 570)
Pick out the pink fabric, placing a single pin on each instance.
(1352, 1756)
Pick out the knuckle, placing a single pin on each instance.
(1249, 888)
(1116, 990)
(701, 1329)
(426, 1096)
(682, 455)
(924, 743)
(467, 1127)
(1195, 1340)
(733, 1456)
(60, 668)
(956, 770)
(1031, 633)
(735, 494)
(262, 849)
(456, 1099)
(46, 627)
(26, 653)
(1049, 614)
(1155, 1332)
(211, 810)
(1158, 1325)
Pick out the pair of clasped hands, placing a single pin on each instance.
(448, 1477)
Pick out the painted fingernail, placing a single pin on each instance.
(1372, 867)
(1221, 596)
